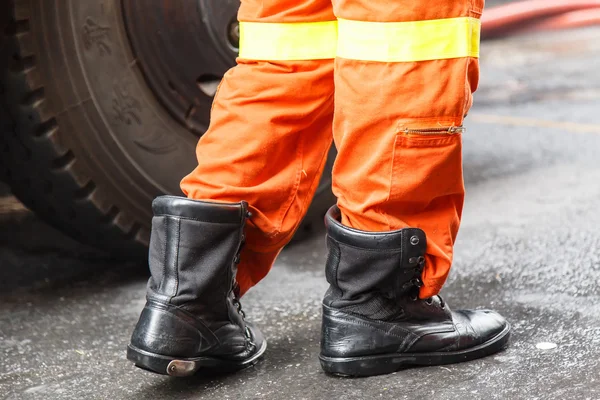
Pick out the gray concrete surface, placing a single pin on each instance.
(529, 247)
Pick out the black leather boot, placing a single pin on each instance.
(193, 318)
(373, 321)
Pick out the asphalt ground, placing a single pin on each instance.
(529, 247)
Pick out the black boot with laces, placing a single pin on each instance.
(193, 319)
(373, 321)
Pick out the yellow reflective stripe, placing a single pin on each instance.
(288, 41)
(409, 41)
(358, 40)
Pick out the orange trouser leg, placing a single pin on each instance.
(386, 177)
(268, 139)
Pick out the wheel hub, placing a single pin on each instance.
(183, 48)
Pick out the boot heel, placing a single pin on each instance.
(161, 364)
(182, 367)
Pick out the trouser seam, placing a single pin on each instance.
(294, 192)
(280, 243)
(294, 196)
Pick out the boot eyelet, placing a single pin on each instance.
(429, 301)
(414, 240)
(413, 260)
(417, 282)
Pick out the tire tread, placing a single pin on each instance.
(41, 173)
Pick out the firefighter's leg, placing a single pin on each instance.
(404, 79)
(266, 146)
(271, 125)
(404, 76)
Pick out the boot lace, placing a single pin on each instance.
(417, 282)
(238, 306)
(236, 287)
(236, 300)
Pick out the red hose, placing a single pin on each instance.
(539, 15)
(573, 19)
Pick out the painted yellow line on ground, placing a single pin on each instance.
(535, 123)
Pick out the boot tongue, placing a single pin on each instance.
(431, 309)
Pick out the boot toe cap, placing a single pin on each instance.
(479, 326)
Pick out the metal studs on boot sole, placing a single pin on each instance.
(180, 368)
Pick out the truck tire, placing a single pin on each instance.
(100, 114)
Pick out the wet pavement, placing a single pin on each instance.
(529, 247)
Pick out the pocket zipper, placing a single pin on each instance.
(453, 130)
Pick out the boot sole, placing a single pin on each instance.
(182, 367)
(387, 363)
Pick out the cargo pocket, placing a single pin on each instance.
(427, 164)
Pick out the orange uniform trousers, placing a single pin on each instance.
(399, 163)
